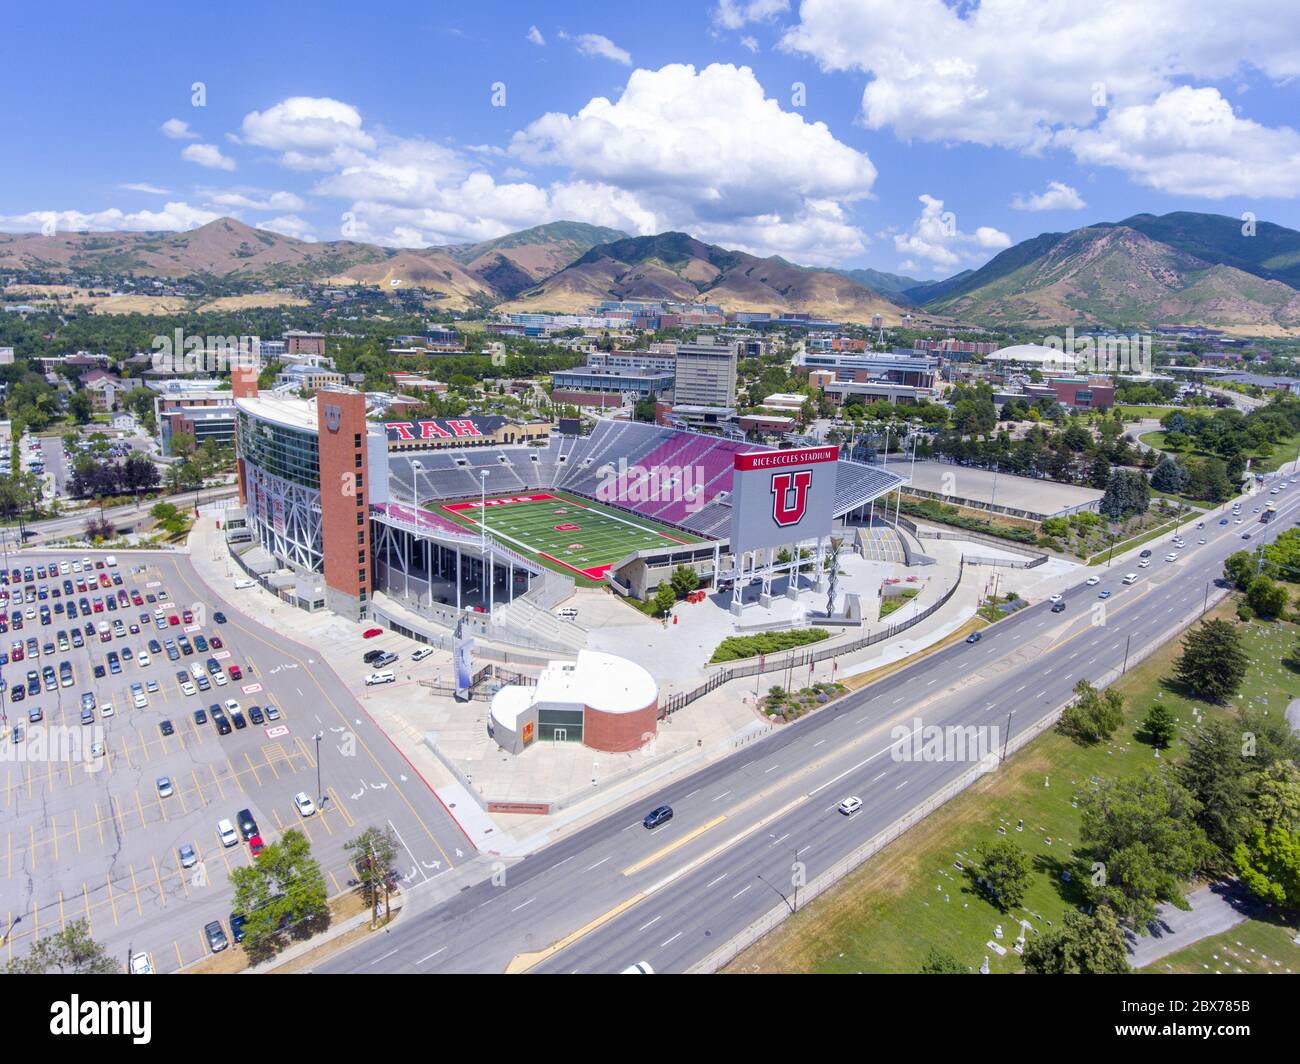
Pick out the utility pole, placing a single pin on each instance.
(1127, 640)
(1006, 741)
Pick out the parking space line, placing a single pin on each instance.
(140, 806)
(221, 792)
(63, 924)
(33, 831)
(343, 812)
(157, 875)
(112, 900)
(198, 787)
(85, 899)
(180, 961)
(252, 768)
(135, 892)
(54, 834)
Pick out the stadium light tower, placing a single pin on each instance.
(416, 466)
(488, 575)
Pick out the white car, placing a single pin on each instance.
(232, 706)
(165, 789)
(139, 700)
(1275, 491)
(111, 561)
(1172, 556)
(376, 678)
(306, 807)
(189, 688)
(141, 964)
(106, 709)
(226, 832)
(421, 654)
(1055, 598)
(1144, 563)
(640, 968)
(850, 805)
(241, 584)
(1237, 522)
(220, 678)
(1093, 580)
(142, 659)
(1200, 541)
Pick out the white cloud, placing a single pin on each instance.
(600, 47)
(310, 132)
(1012, 73)
(256, 200)
(178, 130)
(935, 238)
(173, 217)
(1188, 142)
(289, 225)
(733, 14)
(697, 149)
(208, 155)
(750, 43)
(535, 35)
(139, 186)
(1058, 196)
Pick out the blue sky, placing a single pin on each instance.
(908, 135)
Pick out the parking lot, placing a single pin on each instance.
(86, 828)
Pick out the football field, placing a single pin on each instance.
(582, 538)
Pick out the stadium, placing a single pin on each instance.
(354, 515)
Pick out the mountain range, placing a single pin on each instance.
(1181, 268)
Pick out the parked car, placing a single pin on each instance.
(216, 936)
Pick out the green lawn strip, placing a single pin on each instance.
(1135, 541)
(737, 647)
(890, 603)
(1286, 450)
(888, 914)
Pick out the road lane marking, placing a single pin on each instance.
(673, 846)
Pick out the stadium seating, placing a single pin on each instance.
(585, 465)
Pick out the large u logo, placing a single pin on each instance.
(790, 496)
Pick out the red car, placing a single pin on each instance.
(189, 617)
(104, 581)
(235, 672)
(215, 642)
(255, 845)
(137, 598)
(370, 633)
(16, 652)
(173, 620)
(99, 605)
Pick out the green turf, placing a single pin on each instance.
(604, 535)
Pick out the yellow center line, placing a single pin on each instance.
(672, 847)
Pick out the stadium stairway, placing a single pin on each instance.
(880, 543)
(528, 623)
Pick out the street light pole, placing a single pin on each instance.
(319, 793)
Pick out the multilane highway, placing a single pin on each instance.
(614, 893)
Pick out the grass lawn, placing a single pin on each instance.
(575, 536)
(1285, 451)
(887, 915)
(1128, 411)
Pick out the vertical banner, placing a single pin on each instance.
(463, 661)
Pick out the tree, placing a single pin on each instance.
(1213, 663)
(1127, 494)
(374, 852)
(1266, 598)
(1083, 945)
(98, 527)
(665, 598)
(283, 889)
(1004, 868)
(1268, 862)
(684, 580)
(1139, 844)
(1159, 726)
(1093, 715)
(1169, 476)
(79, 407)
(1239, 569)
(68, 952)
(940, 963)
(1218, 775)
